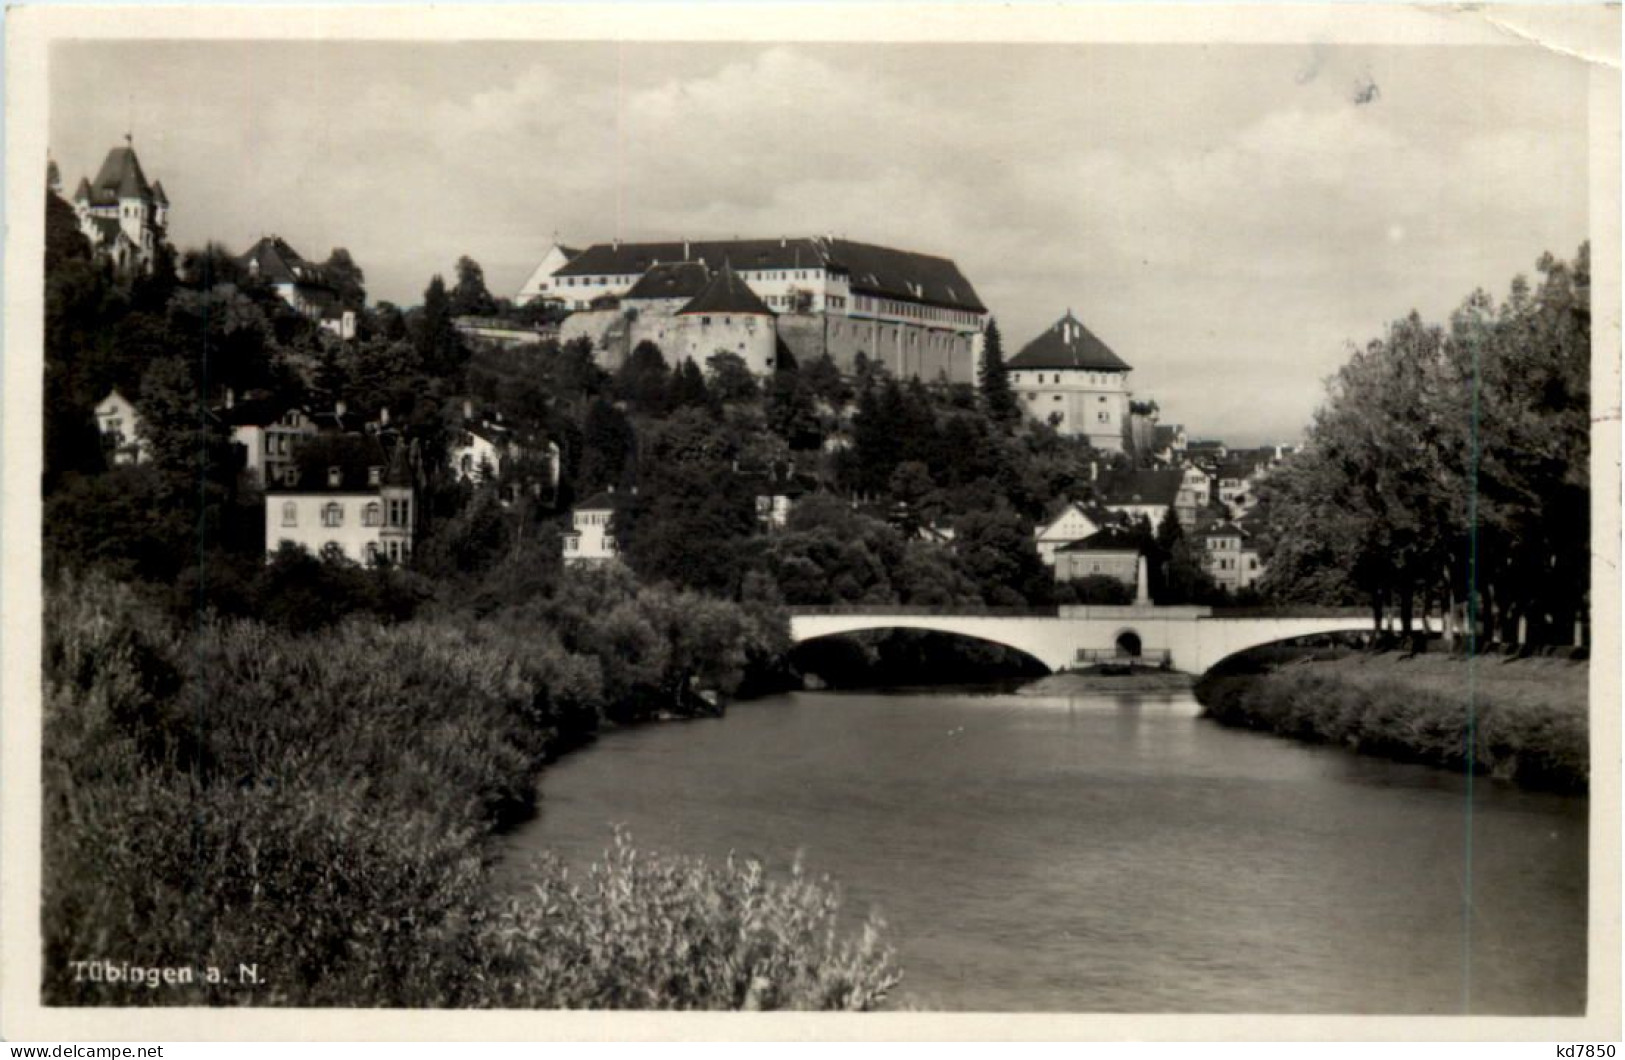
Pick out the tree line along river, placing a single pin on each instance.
(1112, 852)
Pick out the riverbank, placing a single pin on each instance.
(1522, 720)
(330, 806)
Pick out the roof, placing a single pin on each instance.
(727, 293)
(604, 501)
(672, 279)
(1159, 486)
(1110, 539)
(1068, 344)
(354, 471)
(280, 263)
(158, 195)
(82, 192)
(119, 178)
(900, 274)
(1224, 530)
(1166, 434)
(257, 412)
(1203, 446)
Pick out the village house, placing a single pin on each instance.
(119, 424)
(777, 490)
(914, 313)
(268, 430)
(1071, 525)
(591, 538)
(123, 216)
(1148, 495)
(302, 285)
(360, 512)
(1228, 556)
(1071, 380)
(1111, 553)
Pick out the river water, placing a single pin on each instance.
(1113, 852)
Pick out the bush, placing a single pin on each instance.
(678, 933)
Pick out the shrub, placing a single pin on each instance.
(666, 932)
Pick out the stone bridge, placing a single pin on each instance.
(1192, 639)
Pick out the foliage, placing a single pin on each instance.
(997, 396)
(1524, 720)
(743, 939)
(1451, 465)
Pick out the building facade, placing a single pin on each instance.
(1229, 556)
(302, 285)
(119, 424)
(269, 432)
(591, 537)
(1069, 379)
(539, 285)
(360, 514)
(1072, 525)
(914, 313)
(1110, 553)
(123, 216)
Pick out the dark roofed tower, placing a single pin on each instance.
(122, 215)
(1070, 379)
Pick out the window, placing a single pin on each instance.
(399, 512)
(570, 543)
(1105, 417)
(332, 514)
(290, 513)
(372, 515)
(373, 554)
(270, 444)
(332, 551)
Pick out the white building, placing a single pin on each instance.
(363, 514)
(540, 283)
(1229, 557)
(1073, 524)
(914, 313)
(122, 215)
(119, 424)
(1111, 553)
(270, 431)
(591, 538)
(302, 285)
(1068, 378)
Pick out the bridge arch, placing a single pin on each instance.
(1128, 642)
(1025, 651)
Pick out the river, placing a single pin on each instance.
(1113, 852)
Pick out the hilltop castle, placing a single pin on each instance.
(122, 215)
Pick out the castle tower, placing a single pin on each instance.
(122, 215)
(1071, 380)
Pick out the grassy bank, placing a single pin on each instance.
(320, 806)
(1526, 718)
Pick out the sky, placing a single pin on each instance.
(1227, 218)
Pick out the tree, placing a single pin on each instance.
(347, 279)
(824, 382)
(609, 448)
(470, 297)
(997, 397)
(688, 389)
(211, 266)
(730, 379)
(997, 552)
(644, 380)
(440, 347)
(789, 408)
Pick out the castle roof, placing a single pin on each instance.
(276, 262)
(672, 279)
(604, 501)
(903, 275)
(158, 195)
(82, 192)
(119, 178)
(727, 293)
(1068, 344)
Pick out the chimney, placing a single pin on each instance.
(335, 476)
(375, 475)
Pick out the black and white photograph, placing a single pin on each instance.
(1027, 513)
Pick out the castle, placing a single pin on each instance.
(914, 313)
(1071, 380)
(122, 215)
